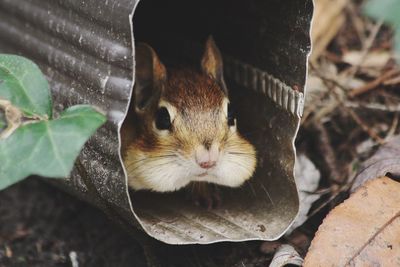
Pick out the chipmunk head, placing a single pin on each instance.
(186, 126)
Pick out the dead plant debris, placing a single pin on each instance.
(362, 231)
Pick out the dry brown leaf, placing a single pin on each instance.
(307, 179)
(385, 160)
(374, 59)
(317, 91)
(362, 231)
(327, 20)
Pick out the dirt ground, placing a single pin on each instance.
(43, 226)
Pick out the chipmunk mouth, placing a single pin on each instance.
(202, 174)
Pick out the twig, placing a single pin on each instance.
(344, 188)
(373, 106)
(374, 84)
(327, 79)
(328, 153)
(364, 126)
(356, 21)
(366, 48)
(309, 110)
(393, 127)
(392, 81)
(331, 85)
(353, 70)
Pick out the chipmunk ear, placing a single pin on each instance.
(150, 74)
(211, 63)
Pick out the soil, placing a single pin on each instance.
(43, 226)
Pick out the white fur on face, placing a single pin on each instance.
(235, 165)
(157, 173)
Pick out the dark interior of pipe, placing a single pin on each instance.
(269, 35)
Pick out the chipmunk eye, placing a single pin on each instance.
(231, 115)
(163, 120)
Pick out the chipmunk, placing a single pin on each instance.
(181, 127)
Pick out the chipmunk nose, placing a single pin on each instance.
(207, 158)
(207, 164)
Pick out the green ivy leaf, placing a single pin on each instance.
(388, 11)
(47, 148)
(22, 83)
(3, 123)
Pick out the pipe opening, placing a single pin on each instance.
(264, 46)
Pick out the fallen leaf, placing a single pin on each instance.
(317, 92)
(362, 231)
(385, 160)
(315, 86)
(286, 255)
(307, 179)
(374, 59)
(327, 21)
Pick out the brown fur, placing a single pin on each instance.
(196, 102)
(188, 88)
(193, 94)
